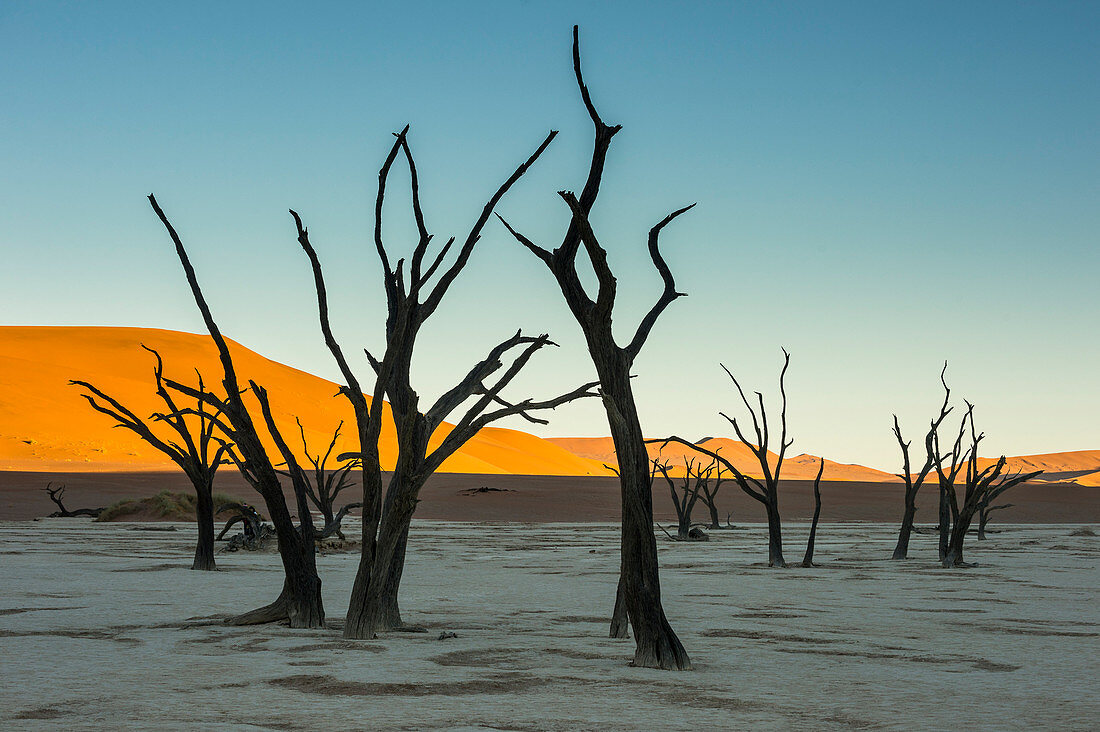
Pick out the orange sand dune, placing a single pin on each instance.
(46, 426)
(1053, 462)
(797, 467)
(1090, 480)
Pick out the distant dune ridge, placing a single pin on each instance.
(795, 467)
(46, 426)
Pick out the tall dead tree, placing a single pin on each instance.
(640, 587)
(913, 483)
(411, 300)
(977, 485)
(766, 489)
(300, 599)
(808, 557)
(199, 456)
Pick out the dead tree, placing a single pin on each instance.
(765, 490)
(656, 643)
(411, 300)
(56, 495)
(300, 599)
(198, 453)
(913, 483)
(323, 488)
(984, 505)
(947, 474)
(250, 519)
(808, 557)
(976, 486)
(710, 484)
(684, 496)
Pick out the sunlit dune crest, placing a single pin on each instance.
(1054, 463)
(795, 467)
(1090, 480)
(1081, 467)
(45, 425)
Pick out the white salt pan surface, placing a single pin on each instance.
(103, 626)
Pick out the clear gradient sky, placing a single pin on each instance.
(881, 186)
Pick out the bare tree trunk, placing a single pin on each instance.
(775, 534)
(620, 623)
(714, 521)
(901, 551)
(983, 518)
(656, 643)
(808, 559)
(945, 524)
(390, 616)
(300, 601)
(204, 517)
(372, 607)
(683, 526)
(327, 514)
(953, 557)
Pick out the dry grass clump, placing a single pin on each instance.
(165, 506)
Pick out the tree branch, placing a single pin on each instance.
(667, 295)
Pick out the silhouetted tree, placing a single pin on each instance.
(199, 456)
(410, 302)
(984, 505)
(808, 557)
(57, 494)
(684, 496)
(325, 485)
(766, 490)
(250, 519)
(711, 481)
(976, 486)
(640, 587)
(913, 483)
(300, 600)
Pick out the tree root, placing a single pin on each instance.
(273, 613)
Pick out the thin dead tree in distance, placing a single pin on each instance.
(765, 490)
(808, 557)
(199, 456)
(300, 600)
(684, 496)
(984, 505)
(709, 491)
(325, 485)
(913, 483)
(410, 302)
(57, 494)
(639, 592)
(977, 485)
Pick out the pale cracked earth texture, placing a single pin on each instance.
(103, 626)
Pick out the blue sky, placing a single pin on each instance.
(881, 186)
